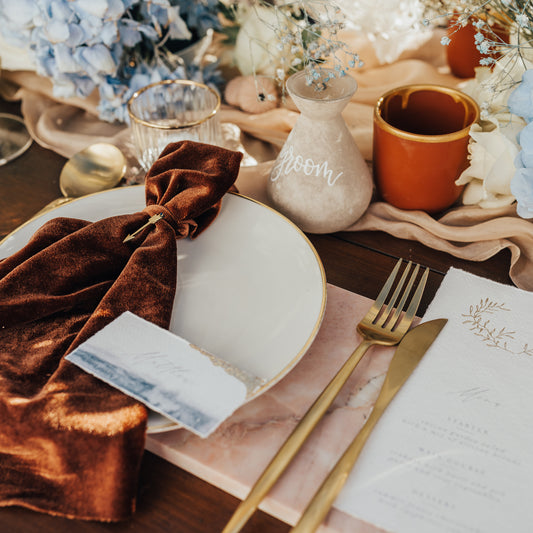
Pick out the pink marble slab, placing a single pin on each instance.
(234, 456)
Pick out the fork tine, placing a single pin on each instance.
(380, 300)
(405, 294)
(415, 302)
(381, 320)
(407, 319)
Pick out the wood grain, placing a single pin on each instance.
(170, 499)
(28, 183)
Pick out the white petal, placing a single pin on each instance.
(497, 201)
(473, 193)
(498, 180)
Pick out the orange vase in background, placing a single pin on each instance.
(461, 53)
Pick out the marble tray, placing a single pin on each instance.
(234, 456)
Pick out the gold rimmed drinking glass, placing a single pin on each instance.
(14, 136)
(171, 111)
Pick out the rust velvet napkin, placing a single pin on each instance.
(71, 445)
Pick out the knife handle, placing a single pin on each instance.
(319, 506)
(295, 441)
(406, 357)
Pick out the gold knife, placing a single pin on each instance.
(406, 357)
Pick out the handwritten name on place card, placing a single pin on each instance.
(163, 371)
(454, 452)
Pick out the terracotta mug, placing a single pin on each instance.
(420, 145)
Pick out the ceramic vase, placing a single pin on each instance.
(462, 53)
(320, 180)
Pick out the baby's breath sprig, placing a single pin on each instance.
(307, 38)
(483, 17)
(489, 17)
(492, 19)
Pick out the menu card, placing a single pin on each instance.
(454, 451)
(164, 371)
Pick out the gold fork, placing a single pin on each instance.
(384, 326)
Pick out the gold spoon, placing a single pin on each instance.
(96, 168)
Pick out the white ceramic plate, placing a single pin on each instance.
(251, 288)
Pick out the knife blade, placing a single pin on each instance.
(405, 359)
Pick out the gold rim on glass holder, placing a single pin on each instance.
(138, 120)
(470, 105)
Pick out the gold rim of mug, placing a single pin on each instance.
(419, 137)
(173, 82)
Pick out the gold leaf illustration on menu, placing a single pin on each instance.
(492, 336)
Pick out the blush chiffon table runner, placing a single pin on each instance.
(467, 232)
(236, 454)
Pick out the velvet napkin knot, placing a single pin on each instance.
(69, 444)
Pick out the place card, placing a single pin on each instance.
(454, 451)
(165, 372)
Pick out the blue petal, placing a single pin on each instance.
(57, 31)
(116, 9)
(520, 101)
(65, 61)
(109, 33)
(522, 190)
(525, 139)
(129, 3)
(62, 11)
(21, 12)
(129, 33)
(92, 27)
(97, 8)
(178, 27)
(76, 36)
(96, 59)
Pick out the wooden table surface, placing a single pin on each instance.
(170, 499)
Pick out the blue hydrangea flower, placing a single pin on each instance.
(522, 189)
(520, 101)
(522, 181)
(525, 140)
(113, 46)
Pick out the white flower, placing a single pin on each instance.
(494, 142)
(492, 85)
(253, 53)
(14, 57)
(522, 20)
(493, 149)
(392, 26)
